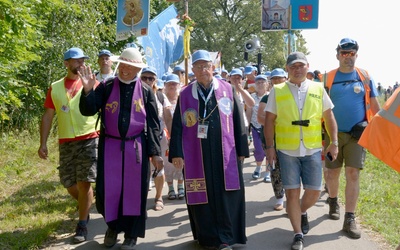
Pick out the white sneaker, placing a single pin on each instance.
(267, 177)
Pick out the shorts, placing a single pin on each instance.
(78, 162)
(350, 153)
(296, 170)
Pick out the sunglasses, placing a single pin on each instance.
(150, 78)
(348, 53)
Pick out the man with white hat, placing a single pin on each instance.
(128, 108)
(209, 141)
(77, 168)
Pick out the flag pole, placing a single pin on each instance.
(186, 52)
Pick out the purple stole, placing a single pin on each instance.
(121, 151)
(195, 182)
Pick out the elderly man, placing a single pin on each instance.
(209, 142)
(293, 116)
(128, 108)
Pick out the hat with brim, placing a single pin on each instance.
(296, 57)
(130, 56)
(201, 55)
(74, 53)
(236, 72)
(172, 78)
(278, 72)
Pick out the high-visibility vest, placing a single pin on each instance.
(71, 123)
(287, 135)
(330, 76)
(380, 137)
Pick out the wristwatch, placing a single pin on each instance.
(336, 143)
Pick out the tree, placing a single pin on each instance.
(225, 26)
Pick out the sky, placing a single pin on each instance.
(375, 25)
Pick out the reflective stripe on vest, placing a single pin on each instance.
(288, 135)
(389, 114)
(330, 76)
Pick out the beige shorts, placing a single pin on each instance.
(350, 153)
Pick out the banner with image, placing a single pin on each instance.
(132, 18)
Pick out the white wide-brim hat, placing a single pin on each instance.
(130, 56)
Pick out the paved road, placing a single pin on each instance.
(266, 228)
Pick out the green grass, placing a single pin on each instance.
(35, 209)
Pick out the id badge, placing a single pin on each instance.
(202, 130)
(65, 108)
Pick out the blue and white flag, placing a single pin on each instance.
(164, 43)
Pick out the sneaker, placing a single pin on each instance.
(267, 177)
(181, 193)
(256, 175)
(110, 238)
(80, 234)
(334, 209)
(298, 242)
(224, 247)
(350, 227)
(305, 226)
(129, 244)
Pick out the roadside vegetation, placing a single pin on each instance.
(35, 209)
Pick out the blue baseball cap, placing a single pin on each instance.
(190, 74)
(248, 70)
(261, 77)
(179, 68)
(201, 55)
(74, 53)
(218, 76)
(105, 52)
(347, 44)
(225, 71)
(150, 69)
(172, 78)
(278, 72)
(236, 72)
(160, 84)
(267, 73)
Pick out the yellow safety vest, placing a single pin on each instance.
(71, 123)
(287, 135)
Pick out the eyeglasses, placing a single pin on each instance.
(150, 78)
(348, 53)
(202, 67)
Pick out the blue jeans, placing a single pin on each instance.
(296, 170)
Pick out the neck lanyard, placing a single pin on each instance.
(204, 98)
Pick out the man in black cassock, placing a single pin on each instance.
(129, 136)
(209, 142)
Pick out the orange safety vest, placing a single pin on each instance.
(380, 137)
(330, 76)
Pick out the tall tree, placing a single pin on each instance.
(226, 25)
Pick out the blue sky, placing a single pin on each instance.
(373, 24)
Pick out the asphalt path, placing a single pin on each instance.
(266, 228)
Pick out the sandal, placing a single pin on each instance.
(171, 195)
(181, 193)
(159, 205)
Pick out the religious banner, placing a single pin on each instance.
(132, 18)
(304, 14)
(275, 15)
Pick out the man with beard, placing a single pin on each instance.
(77, 138)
